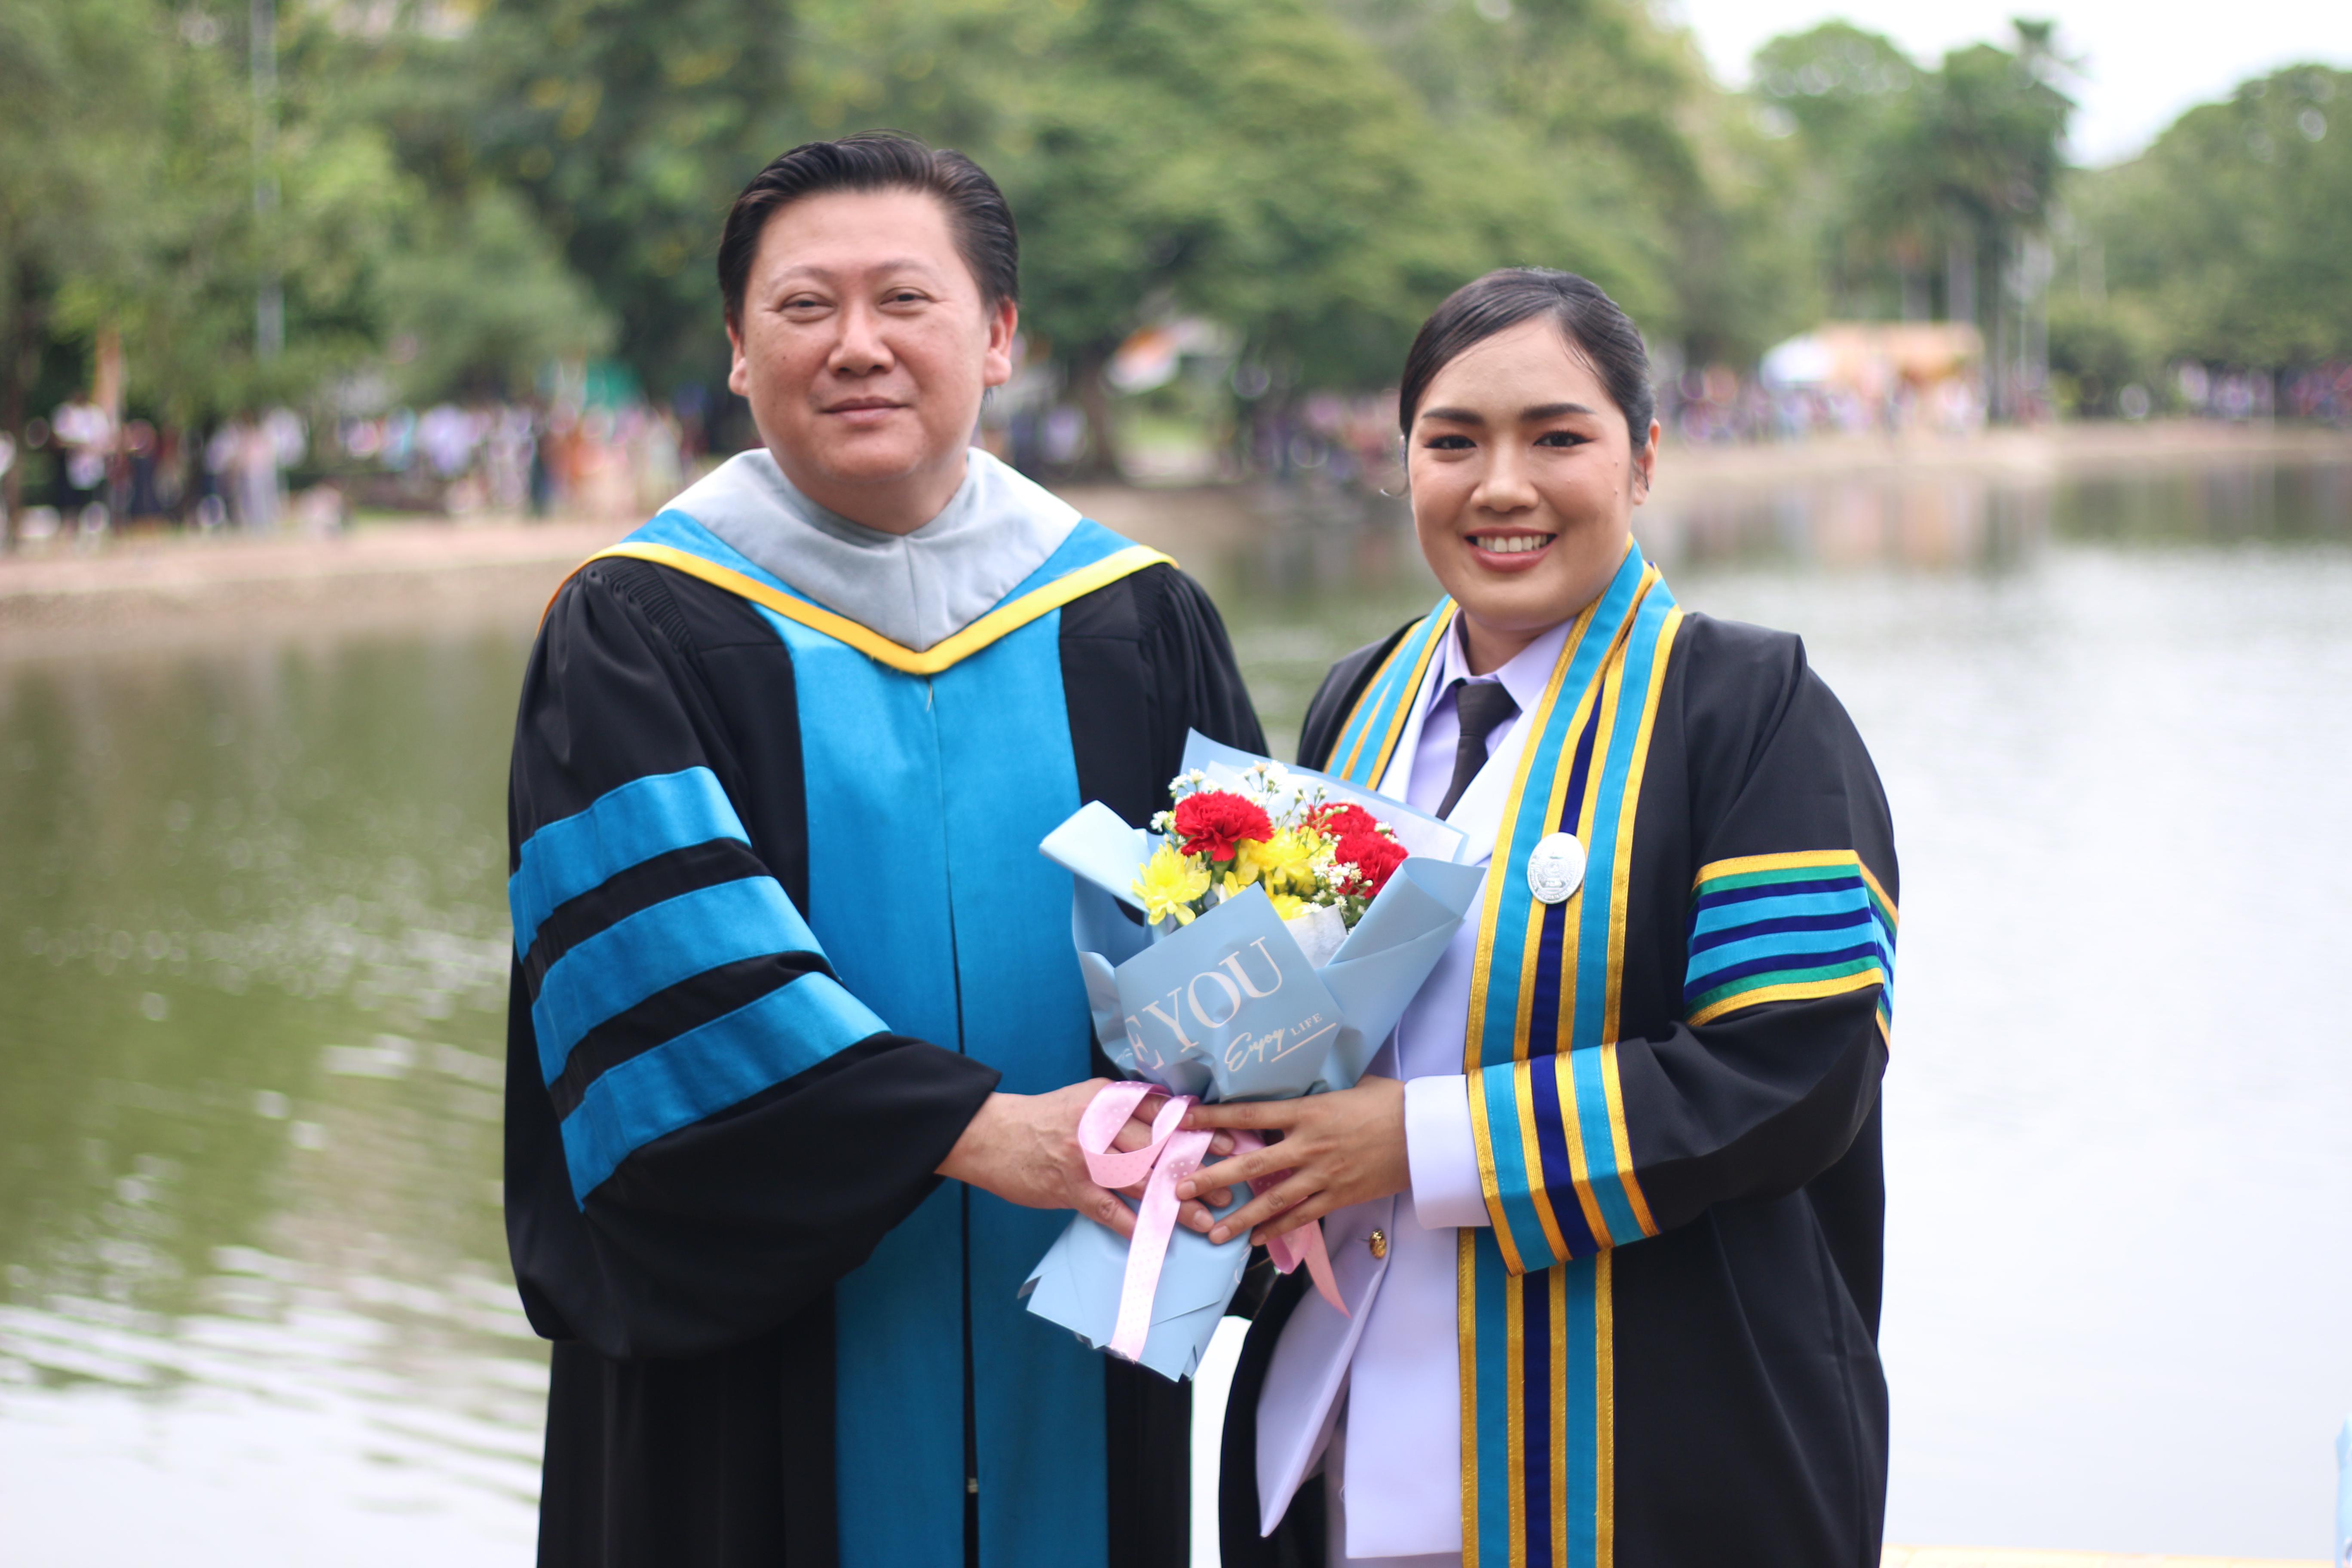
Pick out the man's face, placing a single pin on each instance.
(864, 346)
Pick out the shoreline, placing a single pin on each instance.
(153, 590)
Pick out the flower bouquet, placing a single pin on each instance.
(1288, 919)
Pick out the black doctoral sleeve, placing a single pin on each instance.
(705, 1129)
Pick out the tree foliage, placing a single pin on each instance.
(1903, 169)
(2230, 239)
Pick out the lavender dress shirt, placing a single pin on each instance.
(1375, 1396)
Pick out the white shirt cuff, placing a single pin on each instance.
(1442, 1154)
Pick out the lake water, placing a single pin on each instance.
(253, 1294)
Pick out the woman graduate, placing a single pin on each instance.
(1609, 1227)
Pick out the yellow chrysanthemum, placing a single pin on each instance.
(1244, 871)
(1169, 884)
(1289, 906)
(1287, 863)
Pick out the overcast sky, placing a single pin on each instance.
(2145, 60)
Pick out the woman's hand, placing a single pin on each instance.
(1342, 1148)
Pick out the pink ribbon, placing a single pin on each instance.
(1172, 1156)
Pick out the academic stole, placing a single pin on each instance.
(1534, 1310)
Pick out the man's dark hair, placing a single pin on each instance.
(1603, 335)
(878, 161)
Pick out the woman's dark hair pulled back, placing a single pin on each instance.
(1590, 320)
(878, 161)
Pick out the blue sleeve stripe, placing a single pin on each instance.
(1852, 898)
(624, 827)
(707, 1070)
(1783, 943)
(1724, 892)
(1852, 919)
(654, 950)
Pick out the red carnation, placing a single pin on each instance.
(1213, 821)
(1375, 857)
(1338, 820)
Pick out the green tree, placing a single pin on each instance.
(478, 300)
(2231, 234)
(78, 150)
(1599, 134)
(1837, 94)
(626, 126)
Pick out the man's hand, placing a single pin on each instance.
(1342, 1148)
(1024, 1149)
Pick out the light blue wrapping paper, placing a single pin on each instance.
(1227, 1007)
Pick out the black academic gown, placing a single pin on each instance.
(1749, 1410)
(692, 1413)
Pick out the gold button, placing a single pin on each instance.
(1378, 1242)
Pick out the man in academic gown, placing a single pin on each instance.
(787, 955)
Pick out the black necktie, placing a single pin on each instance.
(1480, 707)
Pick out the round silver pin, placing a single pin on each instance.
(1556, 868)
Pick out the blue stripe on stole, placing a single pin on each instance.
(1492, 1505)
(1499, 1034)
(1595, 914)
(1535, 1430)
(622, 827)
(1515, 905)
(1559, 1175)
(1580, 1286)
(1376, 710)
(707, 1070)
(1543, 1010)
(923, 872)
(654, 950)
(1552, 1126)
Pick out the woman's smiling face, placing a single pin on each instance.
(1524, 484)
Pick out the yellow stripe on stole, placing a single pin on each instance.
(1481, 1132)
(1608, 691)
(1604, 1406)
(1345, 766)
(1605, 695)
(1443, 616)
(1558, 1272)
(1532, 952)
(993, 626)
(1793, 991)
(1466, 1316)
(1611, 1086)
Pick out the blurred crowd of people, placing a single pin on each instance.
(87, 472)
(2321, 391)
